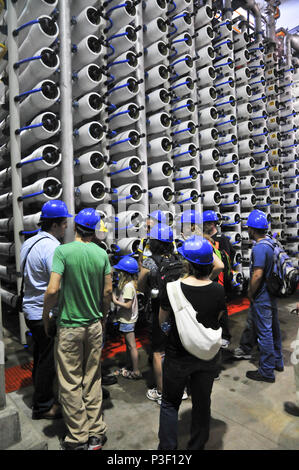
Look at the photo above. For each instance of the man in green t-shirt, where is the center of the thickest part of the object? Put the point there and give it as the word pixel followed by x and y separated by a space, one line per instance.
pixel 81 283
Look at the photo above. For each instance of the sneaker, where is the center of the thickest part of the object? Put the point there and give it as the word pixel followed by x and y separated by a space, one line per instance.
pixel 153 394
pixel 240 354
pixel 225 343
pixel 185 395
pixel 291 408
pixel 68 446
pixel 255 375
pixel 96 443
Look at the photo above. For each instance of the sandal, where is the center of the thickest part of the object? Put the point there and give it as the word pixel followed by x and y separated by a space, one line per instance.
pixel 120 372
pixel 129 374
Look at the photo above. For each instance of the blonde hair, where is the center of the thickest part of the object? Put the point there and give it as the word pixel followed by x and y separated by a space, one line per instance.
pixel 125 277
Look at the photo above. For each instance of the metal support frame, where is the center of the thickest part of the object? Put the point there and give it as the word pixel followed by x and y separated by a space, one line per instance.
pixel 15 149
pixel 66 119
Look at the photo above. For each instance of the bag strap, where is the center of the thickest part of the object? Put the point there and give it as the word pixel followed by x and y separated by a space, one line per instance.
pixel 177 299
pixel 24 264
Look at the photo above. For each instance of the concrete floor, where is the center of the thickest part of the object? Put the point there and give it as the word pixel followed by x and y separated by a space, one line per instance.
pixel 246 415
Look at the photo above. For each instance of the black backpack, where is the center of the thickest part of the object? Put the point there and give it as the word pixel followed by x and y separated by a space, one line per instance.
pixel 169 269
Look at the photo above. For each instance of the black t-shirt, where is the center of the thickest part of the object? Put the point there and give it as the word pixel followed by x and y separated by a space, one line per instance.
pixel 208 301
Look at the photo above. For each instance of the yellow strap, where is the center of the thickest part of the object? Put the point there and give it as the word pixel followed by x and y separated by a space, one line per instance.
pixel 4 49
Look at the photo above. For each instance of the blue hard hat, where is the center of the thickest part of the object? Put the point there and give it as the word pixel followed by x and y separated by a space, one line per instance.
pixel 257 219
pixel 88 218
pixel 197 250
pixel 161 232
pixel 128 264
pixel 191 216
pixel 159 216
pixel 54 209
pixel 209 216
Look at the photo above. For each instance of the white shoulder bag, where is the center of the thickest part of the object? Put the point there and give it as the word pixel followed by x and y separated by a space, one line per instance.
pixel 198 340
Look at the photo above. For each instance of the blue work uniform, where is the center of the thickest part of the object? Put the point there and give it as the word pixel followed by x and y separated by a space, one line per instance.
pixel 265 314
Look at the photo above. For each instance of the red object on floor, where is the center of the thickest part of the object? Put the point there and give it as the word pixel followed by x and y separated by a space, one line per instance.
pixel 21 376
pixel 238 306
pixel 18 377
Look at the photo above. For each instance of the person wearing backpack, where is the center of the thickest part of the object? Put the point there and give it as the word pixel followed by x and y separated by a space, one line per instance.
pixel 263 304
pixel 163 265
pixel 191 307
pixel 36 262
pixel 224 250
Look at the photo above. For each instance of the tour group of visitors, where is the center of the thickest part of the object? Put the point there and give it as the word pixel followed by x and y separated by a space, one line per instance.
pixel 184 286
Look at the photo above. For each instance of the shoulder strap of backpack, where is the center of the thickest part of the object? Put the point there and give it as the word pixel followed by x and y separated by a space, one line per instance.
pixel 24 263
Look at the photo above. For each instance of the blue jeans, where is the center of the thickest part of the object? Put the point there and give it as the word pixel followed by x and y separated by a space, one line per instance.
pixel 175 376
pixel 265 319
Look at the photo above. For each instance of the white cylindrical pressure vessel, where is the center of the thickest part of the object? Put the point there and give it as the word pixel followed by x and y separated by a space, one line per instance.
pixel 125 38
pixel 88 21
pixel 125 170
pixel 42 190
pixel 158 122
pixel 209 157
pixel 182 86
pixel 246 164
pixel 211 198
pixel 155 30
pixel 89 163
pixel 45 126
pixel 185 175
pixel 47 157
pixel 242 75
pixel 121 16
pixel 155 54
pixel 161 195
pixel 39 69
pixel 131 192
pixel 157 99
pixel 245 129
pixel 87 107
pixel 206 96
pixel 124 142
pixel 39 101
pixel 207 116
pixel 205 76
pixel 210 178
pixel 156 76
pixel 208 136
pixel 124 90
pixel 43 33
pixel 154 8
pixel 187 195
pixel 204 57
pixel 123 65
pixel 88 134
pixel 184 154
pixel 88 50
pixel 124 116
pixel 91 192
pixel 204 36
pixel 203 16
pixel 87 79
pixel 245 146
pixel 182 65
pixel 159 173
pixel 184 130
pixel 183 108
pixel 159 146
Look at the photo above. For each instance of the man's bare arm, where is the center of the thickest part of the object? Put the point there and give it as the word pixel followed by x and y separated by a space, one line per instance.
pixel 51 298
